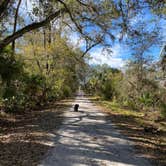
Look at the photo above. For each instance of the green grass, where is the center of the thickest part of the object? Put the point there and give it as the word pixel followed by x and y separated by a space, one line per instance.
pixel 131 123
pixel 117 108
pixel 142 118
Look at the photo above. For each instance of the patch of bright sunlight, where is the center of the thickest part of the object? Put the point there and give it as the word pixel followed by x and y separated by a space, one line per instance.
pixel 106 163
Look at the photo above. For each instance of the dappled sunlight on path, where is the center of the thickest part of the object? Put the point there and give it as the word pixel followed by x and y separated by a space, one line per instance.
pixel 87 138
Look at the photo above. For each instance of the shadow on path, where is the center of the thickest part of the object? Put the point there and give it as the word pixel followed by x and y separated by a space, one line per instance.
pixel 88 138
pixel 26 137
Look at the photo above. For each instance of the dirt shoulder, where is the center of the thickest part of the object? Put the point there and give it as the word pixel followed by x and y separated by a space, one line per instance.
pixel 151 145
pixel 25 138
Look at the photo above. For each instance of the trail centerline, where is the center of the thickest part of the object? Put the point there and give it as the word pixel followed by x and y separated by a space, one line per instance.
pixel 87 138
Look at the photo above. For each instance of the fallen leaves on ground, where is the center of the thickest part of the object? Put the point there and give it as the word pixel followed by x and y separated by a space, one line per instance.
pixel 25 138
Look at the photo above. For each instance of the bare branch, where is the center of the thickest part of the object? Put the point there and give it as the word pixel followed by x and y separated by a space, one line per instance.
pixel 90 47
pixel 71 16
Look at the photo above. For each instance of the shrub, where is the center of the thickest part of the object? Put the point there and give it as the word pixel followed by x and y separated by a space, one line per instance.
pixel 67 91
pixel 34 88
pixel 146 99
pixel 163 110
pixel 10 68
pixel 107 90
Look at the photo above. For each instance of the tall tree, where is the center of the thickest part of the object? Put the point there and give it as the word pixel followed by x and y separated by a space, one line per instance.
pixel 82 15
pixel 15 24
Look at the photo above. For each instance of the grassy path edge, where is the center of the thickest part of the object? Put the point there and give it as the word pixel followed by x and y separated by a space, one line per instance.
pixel 131 124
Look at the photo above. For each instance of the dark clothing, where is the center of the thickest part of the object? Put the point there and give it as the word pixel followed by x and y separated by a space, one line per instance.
pixel 76 107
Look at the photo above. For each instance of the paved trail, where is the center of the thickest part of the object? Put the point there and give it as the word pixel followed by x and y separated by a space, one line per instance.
pixel 87 138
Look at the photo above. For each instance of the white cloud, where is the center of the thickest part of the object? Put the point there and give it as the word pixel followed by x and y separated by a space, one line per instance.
pixel 76 41
pixel 112 59
pixel 97 54
pixel 26 11
pixel 26 6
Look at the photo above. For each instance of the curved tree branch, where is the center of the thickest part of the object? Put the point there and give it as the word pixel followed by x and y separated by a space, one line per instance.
pixel 29 28
pixel 90 47
pixel 71 16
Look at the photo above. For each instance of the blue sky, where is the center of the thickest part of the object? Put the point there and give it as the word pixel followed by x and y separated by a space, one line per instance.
pixel 121 52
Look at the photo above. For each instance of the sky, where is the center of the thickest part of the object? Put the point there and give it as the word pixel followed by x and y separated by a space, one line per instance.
pixel 121 52
pixel 116 59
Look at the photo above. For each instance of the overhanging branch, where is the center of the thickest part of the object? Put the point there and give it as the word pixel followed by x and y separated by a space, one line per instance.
pixel 29 28
pixel 71 16
pixel 89 48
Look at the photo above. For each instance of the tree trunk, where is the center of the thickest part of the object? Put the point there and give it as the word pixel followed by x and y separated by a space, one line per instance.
pixel 15 25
